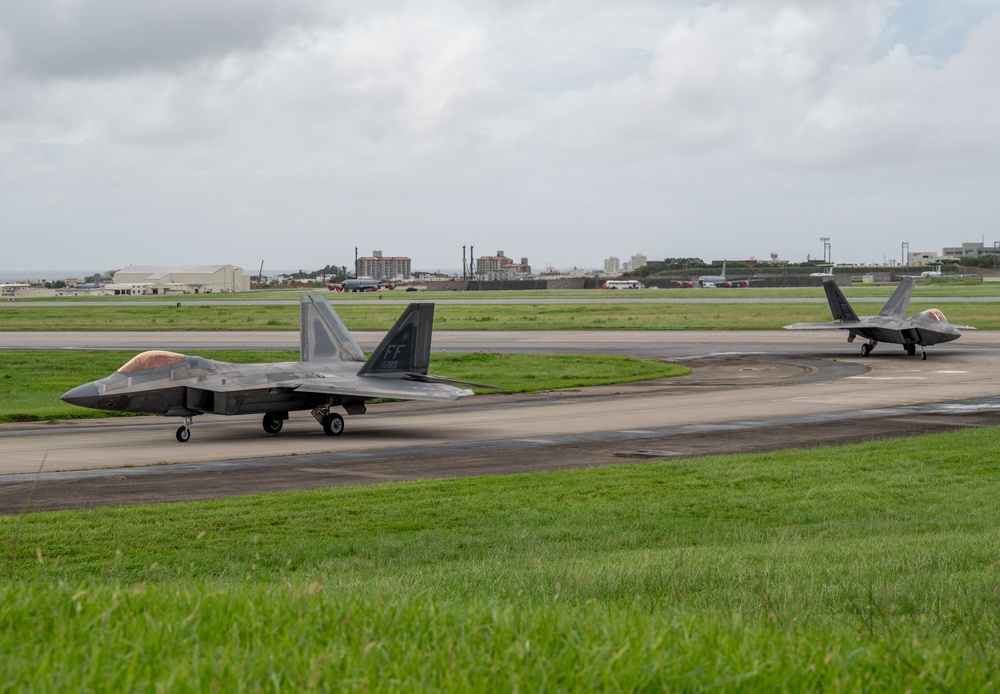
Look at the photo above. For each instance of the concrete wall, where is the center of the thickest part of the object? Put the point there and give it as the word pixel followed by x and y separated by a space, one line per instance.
pixel 498 285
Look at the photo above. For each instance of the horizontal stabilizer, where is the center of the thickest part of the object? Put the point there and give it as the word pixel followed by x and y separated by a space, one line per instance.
pixel 426 378
pixel 818 326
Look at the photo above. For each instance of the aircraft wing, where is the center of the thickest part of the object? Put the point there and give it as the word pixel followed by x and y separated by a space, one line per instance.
pixel 376 387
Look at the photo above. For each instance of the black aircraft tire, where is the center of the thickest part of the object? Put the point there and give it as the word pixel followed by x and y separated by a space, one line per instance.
pixel 273 423
pixel 866 350
pixel 183 434
pixel 333 424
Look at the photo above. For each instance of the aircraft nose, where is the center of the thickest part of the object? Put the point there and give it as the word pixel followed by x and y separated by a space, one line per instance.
pixel 84 395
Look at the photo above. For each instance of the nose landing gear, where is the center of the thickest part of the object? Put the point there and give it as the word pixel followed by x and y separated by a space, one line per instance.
pixel 184 432
pixel 273 421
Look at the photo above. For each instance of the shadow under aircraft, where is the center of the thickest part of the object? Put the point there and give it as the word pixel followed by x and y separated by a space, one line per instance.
pixel 928 327
pixel 333 373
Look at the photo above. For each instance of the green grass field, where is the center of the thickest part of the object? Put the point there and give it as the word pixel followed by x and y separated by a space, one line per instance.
pixel 868 567
pixel 31 381
pixel 375 316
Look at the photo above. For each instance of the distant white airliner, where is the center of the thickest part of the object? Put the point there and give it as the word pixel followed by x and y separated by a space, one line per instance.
pixel 717 281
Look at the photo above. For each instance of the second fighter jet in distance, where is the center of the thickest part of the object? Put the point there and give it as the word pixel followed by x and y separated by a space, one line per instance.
pixel 928 327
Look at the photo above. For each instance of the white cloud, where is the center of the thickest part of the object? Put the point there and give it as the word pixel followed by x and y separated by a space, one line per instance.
pixel 564 131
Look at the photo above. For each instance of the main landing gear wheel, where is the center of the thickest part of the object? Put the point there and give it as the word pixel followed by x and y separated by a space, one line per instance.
pixel 866 349
pixel 333 424
pixel 923 354
pixel 273 422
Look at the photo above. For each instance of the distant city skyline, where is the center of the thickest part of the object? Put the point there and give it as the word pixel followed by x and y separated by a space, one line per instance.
pixel 12 275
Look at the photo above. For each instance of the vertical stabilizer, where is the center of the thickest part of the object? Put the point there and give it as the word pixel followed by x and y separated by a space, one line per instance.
pixel 406 348
pixel 900 299
pixel 322 335
pixel 839 306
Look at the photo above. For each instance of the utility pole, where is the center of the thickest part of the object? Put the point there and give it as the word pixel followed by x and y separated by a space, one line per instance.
pixel 464 277
pixel 355 262
pixel 827 255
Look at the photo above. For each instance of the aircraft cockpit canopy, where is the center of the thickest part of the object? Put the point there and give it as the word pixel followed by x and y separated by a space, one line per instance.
pixel 934 314
pixel 153 359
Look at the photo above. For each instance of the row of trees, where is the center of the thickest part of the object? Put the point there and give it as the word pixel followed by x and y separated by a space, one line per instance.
pixel 991 261
pixel 697 266
pixel 335 273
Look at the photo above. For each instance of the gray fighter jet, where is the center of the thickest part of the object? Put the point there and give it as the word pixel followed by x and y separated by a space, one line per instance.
pixel 891 324
pixel 333 373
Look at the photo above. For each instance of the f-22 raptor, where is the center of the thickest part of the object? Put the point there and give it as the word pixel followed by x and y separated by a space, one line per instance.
pixel 333 372
pixel 928 327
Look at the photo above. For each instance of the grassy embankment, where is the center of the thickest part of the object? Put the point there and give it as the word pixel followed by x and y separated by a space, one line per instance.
pixel 373 316
pixel 868 567
pixel 32 381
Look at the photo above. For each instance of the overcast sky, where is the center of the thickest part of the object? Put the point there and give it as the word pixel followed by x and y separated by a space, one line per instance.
pixel 236 131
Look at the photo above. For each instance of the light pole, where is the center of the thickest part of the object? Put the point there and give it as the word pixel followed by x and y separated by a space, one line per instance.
pixel 827 254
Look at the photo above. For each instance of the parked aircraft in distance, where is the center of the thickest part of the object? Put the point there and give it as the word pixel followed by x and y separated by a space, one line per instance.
pixel 359 286
pixel 333 372
pixel 928 327
pixel 716 281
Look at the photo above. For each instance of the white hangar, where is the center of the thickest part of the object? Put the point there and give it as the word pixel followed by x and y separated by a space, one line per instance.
pixel 183 279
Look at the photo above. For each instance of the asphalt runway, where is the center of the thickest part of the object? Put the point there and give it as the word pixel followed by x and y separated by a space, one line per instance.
pixel 749 391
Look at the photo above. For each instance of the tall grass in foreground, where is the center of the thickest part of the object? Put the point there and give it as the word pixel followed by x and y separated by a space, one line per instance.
pixel 863 567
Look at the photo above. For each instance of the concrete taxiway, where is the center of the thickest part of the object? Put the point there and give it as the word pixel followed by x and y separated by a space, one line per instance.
pixel 652 344
pixel 756 390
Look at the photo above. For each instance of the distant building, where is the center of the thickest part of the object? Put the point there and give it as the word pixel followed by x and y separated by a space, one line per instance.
pixel 19 289
pixel 637 261
pixel 488 265
pixel 500 267
pixel 179 279
pixel 612 266
pixel 383 267
pixel 968 250
pixel 922 258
